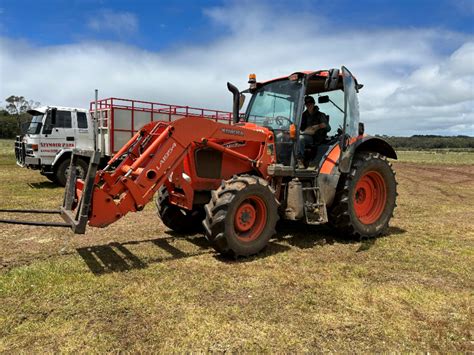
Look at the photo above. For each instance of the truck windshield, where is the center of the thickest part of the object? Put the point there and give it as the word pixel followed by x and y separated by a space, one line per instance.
pixel 274 105
pixel 35 125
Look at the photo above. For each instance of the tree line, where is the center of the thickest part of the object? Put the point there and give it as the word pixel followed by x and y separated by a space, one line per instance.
pixel 14 118
pixel 421 142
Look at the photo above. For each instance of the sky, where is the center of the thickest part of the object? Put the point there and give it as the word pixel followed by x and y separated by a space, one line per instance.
pixel 415 58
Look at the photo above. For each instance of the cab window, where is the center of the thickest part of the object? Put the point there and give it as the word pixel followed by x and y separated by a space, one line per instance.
pixel 333 109
pixel 63 120
pixel 81 120
pixel 274 105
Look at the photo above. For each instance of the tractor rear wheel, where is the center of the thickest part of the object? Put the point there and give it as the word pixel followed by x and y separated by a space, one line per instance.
pixel 366 197
pixel 176 218
pixel 241 216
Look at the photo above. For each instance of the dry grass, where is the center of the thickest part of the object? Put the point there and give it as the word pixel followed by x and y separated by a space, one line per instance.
pixel 136 286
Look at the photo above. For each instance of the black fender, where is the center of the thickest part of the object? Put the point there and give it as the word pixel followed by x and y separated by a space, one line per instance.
pixel 366 144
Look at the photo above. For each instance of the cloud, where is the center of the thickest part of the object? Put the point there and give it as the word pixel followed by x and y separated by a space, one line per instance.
pixel 417 81
pixel 119 23
pixel 438 97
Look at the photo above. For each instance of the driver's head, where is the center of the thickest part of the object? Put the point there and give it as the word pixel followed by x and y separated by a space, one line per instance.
pixel 309 102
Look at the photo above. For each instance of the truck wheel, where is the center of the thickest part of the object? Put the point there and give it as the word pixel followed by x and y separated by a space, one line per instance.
pixel 365 199
pixel 63 168
pixel 241 216
pixel 178 219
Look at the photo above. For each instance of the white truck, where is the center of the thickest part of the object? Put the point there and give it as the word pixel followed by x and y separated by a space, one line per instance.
pixel 55 131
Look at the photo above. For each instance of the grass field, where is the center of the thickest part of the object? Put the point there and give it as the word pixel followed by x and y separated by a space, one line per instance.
pixel 137 286
pixel 438 157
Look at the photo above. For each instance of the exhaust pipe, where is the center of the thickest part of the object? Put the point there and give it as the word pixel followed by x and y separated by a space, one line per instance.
pixel 235 108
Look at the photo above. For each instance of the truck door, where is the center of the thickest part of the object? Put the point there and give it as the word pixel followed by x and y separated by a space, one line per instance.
pixel 84 136
pixel 351 118
pixel 56 137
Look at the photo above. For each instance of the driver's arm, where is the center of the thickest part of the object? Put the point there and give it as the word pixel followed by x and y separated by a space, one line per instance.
pixel 323 124
pixel 317 127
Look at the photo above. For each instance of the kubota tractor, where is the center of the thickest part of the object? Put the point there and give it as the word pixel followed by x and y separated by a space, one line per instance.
pixel 234 181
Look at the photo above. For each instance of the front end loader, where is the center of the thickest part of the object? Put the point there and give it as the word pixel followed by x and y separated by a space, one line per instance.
pixel 233 181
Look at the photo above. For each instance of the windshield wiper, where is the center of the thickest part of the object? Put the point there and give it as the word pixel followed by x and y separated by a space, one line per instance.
pixel 280 97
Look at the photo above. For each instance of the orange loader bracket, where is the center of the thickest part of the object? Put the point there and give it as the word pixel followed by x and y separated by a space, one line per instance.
pixel 150 160
pixel 75 211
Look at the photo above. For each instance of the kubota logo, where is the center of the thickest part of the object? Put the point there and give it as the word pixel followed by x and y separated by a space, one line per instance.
pixel 167 155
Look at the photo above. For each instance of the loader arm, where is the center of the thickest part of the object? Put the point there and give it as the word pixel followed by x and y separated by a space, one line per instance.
pixel 145 163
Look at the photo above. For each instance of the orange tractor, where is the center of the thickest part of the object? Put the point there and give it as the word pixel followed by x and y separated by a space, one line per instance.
pixel 235 180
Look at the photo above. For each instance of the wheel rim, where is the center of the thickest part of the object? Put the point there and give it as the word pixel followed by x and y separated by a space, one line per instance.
pixel 81 173
pixel 370 197
pixel 250 219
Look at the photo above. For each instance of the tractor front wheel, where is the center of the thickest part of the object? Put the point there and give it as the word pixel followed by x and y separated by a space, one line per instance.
pixel 241 216
pixel 178 219
pixel 366 197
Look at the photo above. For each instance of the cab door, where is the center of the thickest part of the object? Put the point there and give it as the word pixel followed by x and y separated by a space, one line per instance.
pixel 351 103
pixel 84 134
pixel 351 119
pixel 57 135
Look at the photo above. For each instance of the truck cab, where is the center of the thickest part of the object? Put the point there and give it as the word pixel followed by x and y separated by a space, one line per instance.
pixel 52 134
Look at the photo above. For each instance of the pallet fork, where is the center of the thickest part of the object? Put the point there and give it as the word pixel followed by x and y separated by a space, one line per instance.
pixel 77 220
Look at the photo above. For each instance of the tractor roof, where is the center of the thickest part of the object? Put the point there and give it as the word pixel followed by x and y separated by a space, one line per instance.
pixel 322 73
pixel 316 85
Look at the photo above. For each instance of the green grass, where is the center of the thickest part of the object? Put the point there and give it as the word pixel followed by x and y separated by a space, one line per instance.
pixel 136 286
pixel 460 157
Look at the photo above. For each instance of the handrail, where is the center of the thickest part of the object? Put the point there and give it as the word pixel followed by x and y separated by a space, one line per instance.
pixel 158 107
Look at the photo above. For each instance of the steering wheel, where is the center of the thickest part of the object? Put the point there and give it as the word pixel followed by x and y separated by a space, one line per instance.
pixel 279 120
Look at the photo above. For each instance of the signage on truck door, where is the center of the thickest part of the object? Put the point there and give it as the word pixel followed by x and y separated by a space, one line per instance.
pixel 58 136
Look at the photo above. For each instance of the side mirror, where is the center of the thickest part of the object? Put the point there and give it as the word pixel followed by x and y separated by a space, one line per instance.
pixel 332 79
pixel 53 117
pixel 361 129
pixel 323 99
pixel 241 101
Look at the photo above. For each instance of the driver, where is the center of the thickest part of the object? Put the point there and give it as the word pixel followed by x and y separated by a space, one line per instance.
pixel 313 129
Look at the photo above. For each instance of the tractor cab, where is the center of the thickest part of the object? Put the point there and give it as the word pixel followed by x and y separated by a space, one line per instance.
pixel 278 105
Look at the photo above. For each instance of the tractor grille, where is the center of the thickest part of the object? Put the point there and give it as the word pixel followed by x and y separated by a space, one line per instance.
pixel 20 151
